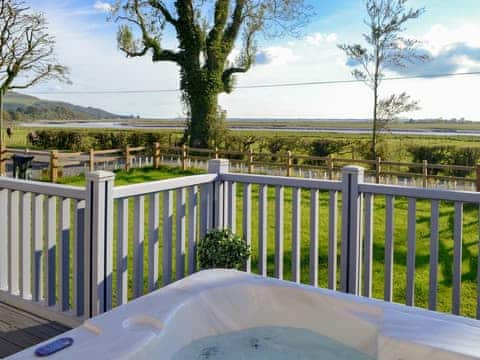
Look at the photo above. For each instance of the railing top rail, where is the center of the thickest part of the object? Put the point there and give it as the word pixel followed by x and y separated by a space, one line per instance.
pixel 308 157
pixel 421 193
pixel 399 163
pixel 26 151
pixel 451 167
pixel 71 192
pixel 75 154
pixel 162 185
pixel 138 148
pixel 105 152
pixel 283 181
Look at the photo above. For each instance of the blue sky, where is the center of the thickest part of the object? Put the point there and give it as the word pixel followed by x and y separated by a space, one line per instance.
pixel 450 31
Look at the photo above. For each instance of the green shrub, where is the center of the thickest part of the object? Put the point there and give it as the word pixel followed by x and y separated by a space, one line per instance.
pixel 325 147
pixel 466 156
pixel 222 249
pixel 439 154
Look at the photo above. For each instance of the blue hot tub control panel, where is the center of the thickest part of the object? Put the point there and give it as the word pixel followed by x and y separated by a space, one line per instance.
pixel 53 347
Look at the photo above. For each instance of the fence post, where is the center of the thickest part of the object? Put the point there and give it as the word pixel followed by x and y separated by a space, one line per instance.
pixel 330 166
pixel 350 262
pixel 218 210
pixel 477 168
pixel 3 160
pixel 184 157
pixel 128 158
pixel 156 155
pixel 98 262
pixel 91 160
pixel 216 152
pixel 289 163
pixel 378 169
pixel 54 166
pixel 425 173
pixel 250 160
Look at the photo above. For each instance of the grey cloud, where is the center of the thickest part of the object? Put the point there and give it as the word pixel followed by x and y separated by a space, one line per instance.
pixel 443 62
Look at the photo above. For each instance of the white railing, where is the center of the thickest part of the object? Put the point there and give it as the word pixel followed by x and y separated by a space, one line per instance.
pixel 197 188
pixel 103 245
pixel 357 231
pixel 41 226
pixel 458 198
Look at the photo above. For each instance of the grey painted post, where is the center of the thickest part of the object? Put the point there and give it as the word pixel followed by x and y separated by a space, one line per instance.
pixel 351 229
pixel 78 259
pixel 99 244
pixel 218 166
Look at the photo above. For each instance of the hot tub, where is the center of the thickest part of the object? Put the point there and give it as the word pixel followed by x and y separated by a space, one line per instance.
pixel 218 313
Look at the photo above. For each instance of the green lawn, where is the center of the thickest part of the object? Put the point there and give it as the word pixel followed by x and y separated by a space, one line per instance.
pixel 470 240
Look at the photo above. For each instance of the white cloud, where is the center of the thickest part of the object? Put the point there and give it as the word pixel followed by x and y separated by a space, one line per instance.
pixel 317 39
pixel 102 6
pixel 439 36
pixel 276 55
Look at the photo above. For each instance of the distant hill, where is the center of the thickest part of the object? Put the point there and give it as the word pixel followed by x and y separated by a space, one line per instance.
pixel 21 107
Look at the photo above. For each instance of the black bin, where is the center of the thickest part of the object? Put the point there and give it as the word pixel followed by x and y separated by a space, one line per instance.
pixel 22 164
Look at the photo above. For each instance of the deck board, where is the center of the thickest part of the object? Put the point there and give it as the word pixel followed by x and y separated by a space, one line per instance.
pixel 20 329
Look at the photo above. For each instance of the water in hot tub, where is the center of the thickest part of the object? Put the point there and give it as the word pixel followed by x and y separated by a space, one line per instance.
pixel 269 343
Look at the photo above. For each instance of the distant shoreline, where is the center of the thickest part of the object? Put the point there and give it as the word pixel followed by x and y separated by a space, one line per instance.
pixel 360 128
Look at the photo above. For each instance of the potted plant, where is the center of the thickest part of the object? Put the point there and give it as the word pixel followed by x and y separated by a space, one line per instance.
pixel 220 248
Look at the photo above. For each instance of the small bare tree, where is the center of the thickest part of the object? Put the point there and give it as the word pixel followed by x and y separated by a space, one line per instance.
pixel 26 51
pixel 385 48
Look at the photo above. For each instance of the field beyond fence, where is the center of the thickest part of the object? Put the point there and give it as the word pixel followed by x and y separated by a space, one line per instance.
pixel 53 164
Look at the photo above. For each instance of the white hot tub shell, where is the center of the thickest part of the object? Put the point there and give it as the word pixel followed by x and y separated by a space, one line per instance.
pixel 215 302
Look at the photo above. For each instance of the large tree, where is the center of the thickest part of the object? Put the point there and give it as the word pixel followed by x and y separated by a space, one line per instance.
pixel 26 51
pixel 207 31
pixel 385 48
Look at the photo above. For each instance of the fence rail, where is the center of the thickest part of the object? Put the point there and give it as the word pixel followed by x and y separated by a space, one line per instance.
pixel 82 251
pixel 287 164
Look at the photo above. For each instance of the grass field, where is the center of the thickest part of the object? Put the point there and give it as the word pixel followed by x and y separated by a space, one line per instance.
pixel 470 241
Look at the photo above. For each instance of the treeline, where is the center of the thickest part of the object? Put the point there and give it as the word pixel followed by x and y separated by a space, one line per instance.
pixel 39 112
pixel 79 140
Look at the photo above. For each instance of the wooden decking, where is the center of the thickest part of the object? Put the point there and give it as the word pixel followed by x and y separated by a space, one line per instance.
pixel 20 329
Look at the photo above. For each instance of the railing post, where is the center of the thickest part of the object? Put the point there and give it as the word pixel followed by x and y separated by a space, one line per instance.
pixel 156 155
pixel 378 169
pixel 289 163
pixel 54 166
pixel 3 160
pixel 128 159
pixel 184 157
pixel 330 166
pixel 350 261
pixel 477 168
pixel 218 208
pixel 98 260
pixel 425 173
pixel 250 160
pixel 91 160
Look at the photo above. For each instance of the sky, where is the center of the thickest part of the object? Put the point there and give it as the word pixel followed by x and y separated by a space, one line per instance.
pixel 86 43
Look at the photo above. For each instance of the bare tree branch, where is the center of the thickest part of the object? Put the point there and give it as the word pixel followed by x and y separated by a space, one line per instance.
pixel 27 54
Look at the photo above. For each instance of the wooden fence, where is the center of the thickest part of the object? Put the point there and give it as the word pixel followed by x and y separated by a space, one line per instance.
pixel 287 163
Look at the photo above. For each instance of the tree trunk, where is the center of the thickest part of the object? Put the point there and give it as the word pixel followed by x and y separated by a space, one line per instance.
pixel 203 117
pixel 375 100
pixel 374 128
